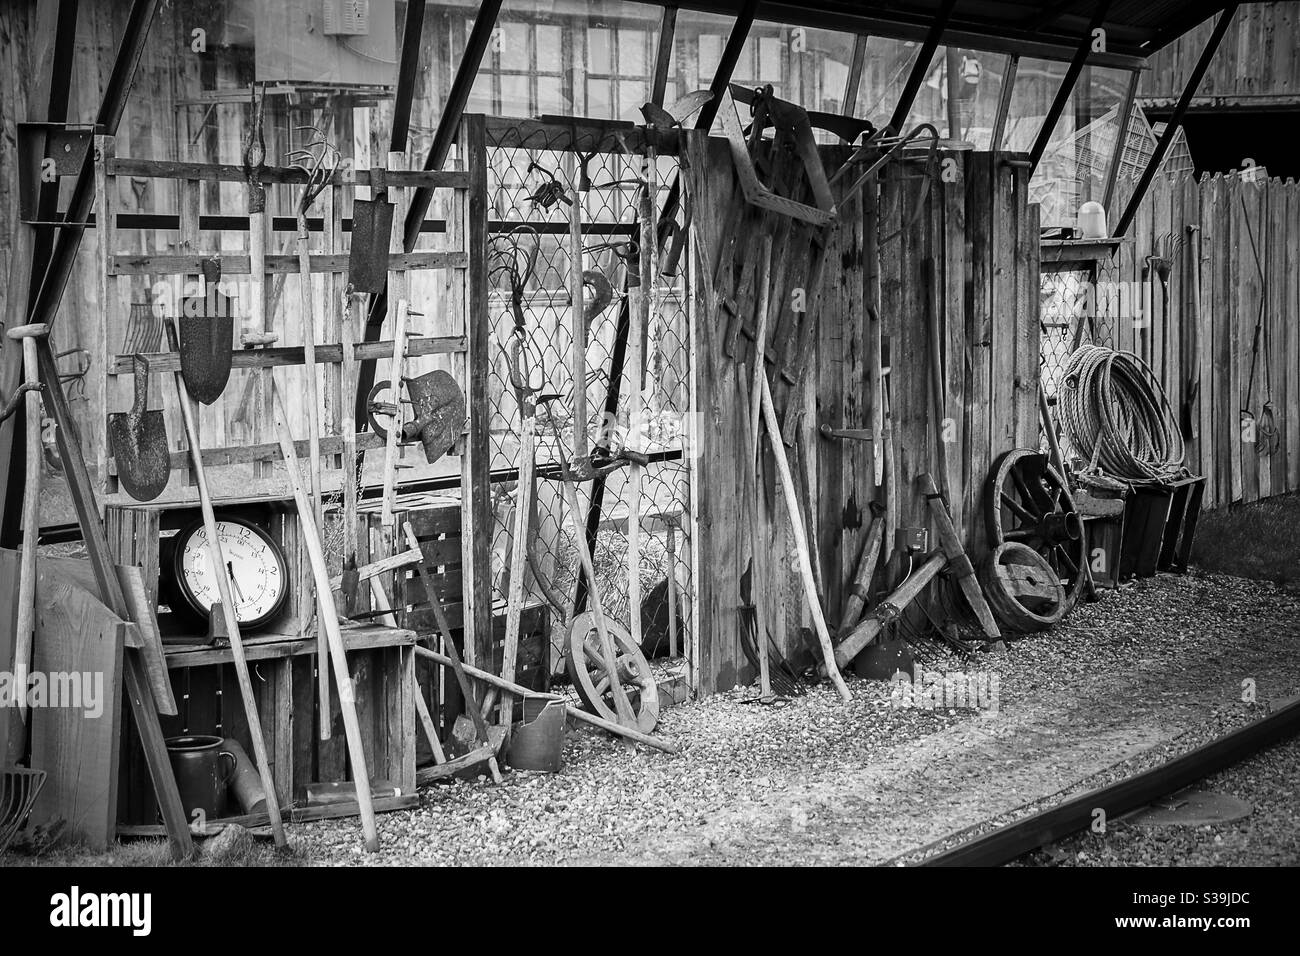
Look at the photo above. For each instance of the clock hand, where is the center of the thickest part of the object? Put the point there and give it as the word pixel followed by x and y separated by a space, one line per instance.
pixel 239 592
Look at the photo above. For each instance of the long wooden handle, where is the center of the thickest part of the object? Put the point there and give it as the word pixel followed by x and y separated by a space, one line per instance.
pixel 801 543
pixel 488 678
pixel 440 616
pixel 222 574
pixel 859 591
pixel 327 620
pixel 31 527
pixel 309 363
pixel 518 557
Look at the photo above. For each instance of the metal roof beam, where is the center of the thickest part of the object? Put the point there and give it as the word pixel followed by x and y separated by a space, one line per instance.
pixel 1068 83
pixel 1171 128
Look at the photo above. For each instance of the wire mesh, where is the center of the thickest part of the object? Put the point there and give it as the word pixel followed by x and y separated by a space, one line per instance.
pixel 530 188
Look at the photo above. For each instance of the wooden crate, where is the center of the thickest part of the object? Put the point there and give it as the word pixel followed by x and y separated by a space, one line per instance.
pixel 381 661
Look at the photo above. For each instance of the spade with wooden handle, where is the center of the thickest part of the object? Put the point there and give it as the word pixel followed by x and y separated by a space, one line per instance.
pixel 139 442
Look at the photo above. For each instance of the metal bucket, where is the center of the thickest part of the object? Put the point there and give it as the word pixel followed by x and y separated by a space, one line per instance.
pixel 196 762
pixel 537 742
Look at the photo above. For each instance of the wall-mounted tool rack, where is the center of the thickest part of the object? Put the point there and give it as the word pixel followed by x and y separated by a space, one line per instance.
pixel 149 262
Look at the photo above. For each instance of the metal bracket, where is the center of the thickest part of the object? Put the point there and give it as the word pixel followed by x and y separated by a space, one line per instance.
pixel 850 434
pixel 64 145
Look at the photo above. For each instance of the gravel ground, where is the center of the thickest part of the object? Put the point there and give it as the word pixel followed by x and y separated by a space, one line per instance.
pixel 1152 670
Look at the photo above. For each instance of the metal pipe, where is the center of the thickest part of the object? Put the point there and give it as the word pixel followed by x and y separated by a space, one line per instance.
pixel 1004 102
pixel 663 55
pixel 1171 128
pixel 1067 86
pixel 857 61
pixel 727 64
pixel 921 67
pixel 1125 121
pixel 412 34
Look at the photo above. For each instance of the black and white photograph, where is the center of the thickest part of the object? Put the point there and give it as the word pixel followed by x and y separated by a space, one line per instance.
pixel 638 433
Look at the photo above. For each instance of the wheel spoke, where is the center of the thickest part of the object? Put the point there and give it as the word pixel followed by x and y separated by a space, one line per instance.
pixel 1019 534
pixel 1069 561
pixel 1021 512
pixel 602 685
pixel 1022 486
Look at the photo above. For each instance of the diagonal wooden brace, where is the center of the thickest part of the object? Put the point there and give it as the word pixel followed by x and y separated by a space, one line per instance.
pixel 950 543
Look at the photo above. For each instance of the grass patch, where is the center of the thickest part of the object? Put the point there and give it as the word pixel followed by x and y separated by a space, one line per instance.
pixel 1260 540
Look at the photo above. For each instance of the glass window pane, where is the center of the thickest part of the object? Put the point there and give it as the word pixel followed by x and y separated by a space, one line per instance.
pixel 884 71
pixel 598 59
pixel 632 52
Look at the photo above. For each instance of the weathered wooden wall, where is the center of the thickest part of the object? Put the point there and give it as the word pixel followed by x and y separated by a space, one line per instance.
pixel 1257 59
pixel 1212 223
pixel 982 234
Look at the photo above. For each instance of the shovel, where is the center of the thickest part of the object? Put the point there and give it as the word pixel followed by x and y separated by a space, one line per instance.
pixel 372 230
pixel 440 413
pixel 139 442
pixel 207 337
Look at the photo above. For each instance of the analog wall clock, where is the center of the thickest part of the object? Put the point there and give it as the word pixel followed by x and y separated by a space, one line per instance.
pixel 257 566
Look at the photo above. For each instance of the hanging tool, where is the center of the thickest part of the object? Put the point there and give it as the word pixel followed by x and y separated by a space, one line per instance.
pixel 139 442
pixel 1267 437
pixel 319 161
pixel 207 337
pixel 327 621
pixel 257 330
pixel 372 231
pixel 226 609
pixel 25 627
pixel 1192 329
pixel 440 616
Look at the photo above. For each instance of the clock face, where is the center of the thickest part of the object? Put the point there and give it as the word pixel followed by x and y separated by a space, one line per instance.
pixel 256 564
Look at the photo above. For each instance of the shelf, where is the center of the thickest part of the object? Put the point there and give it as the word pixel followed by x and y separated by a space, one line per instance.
pixel 1078 250
pixel 275 646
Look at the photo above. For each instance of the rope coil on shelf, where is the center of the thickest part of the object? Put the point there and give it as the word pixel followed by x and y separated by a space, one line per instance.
pixel 1118 418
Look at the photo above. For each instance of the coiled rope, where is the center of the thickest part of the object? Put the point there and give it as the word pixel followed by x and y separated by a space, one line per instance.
pixel 1118 418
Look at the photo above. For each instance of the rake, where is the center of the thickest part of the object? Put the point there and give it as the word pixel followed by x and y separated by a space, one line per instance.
pixel 19 788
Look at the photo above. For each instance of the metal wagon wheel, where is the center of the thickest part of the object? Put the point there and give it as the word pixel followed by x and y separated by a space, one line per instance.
pixel 591 677
pixel 1028 502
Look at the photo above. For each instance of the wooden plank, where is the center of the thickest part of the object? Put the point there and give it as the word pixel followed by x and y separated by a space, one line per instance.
pixel 80 639
pixel 1291 419
pixel 979 342
pixel 1242 318
pixel 952 268
pixel 162 362
pixel 1025 312
pixel 1276 268
pixel 1226 403
pixel 280 175
pixel 151 265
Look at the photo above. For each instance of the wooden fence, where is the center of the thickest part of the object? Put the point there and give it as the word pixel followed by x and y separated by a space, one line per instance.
pixel 1233 249
pixel 977 227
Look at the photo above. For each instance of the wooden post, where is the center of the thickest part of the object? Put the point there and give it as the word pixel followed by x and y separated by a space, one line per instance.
pixel 476 496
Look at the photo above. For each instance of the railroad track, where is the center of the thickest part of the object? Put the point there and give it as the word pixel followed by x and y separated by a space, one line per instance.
pixel 1014 840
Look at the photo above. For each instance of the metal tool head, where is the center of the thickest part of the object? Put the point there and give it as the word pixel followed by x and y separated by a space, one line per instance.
pixel 255 153
pixel 319 159
pixel 207 333
pixel 19 788
pixel 372 230
pixel 440 413
pixel 138 439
